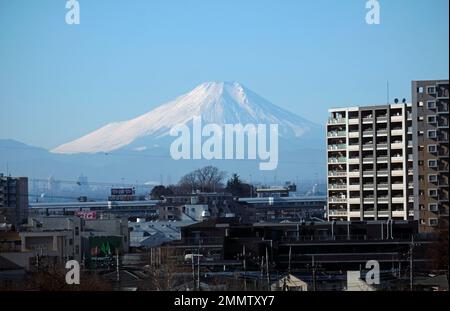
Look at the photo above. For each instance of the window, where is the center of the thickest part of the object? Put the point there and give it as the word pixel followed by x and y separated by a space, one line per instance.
pixel 420 89
pixel 433 207
pixel 77 249
pixel 432 148
pixel 432 178
pixel 431 105
pixel 432 192
pixel 431 119
pixel 431 90
pixel 420 104
pixel 432 134
pixel 433 222
pixel 77 231
pixel 432 163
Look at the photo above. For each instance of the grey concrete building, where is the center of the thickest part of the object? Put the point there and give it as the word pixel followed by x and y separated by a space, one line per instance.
pixel 370 164
pixel 431 153
pixel 13 200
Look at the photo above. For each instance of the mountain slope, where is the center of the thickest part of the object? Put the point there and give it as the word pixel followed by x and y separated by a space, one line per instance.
pixel 216 102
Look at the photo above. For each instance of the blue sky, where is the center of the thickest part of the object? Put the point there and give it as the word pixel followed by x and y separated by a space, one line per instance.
pixel 58 82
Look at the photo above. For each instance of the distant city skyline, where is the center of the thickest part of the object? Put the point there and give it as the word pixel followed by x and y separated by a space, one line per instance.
pixel 59 82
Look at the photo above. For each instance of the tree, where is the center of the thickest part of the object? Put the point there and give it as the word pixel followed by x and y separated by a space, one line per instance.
pixel 237 188
pixel 206 179
pixel 159 191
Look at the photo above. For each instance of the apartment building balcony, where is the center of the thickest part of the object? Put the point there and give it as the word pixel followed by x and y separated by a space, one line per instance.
pixel 398 213
pixel 382 159
pixel 354 160
pixel 369 200
pixel 353 147
pixel 411 199
pixel 368 146
pixel 369 186
pixel 368 119
pixel 442 123
pixel 382 133
pixel 443 167
pixel 410 172
pixel 353 121
pixel 337 134
pixel 353 134
pixel 369 214
pixel 354 201
pixel 383 186
pixel 337 186
pixel 354 214
pixel 410 157
pixel 398 200
pixel 382 146
pixel 397 159
pixel 337 147
pixel 443 183
pixel 382 173
pixel 354 173
pixel 337 160
pixel 337 120
pixel 410 185
pixel 354 187
pixel 397 186
pixel 397 145
pixel 383 214
pixel 338 200
pixel 337 213
pixel 337 173
pixel 383 200
pixel 368 173
pixel 410 130
pixel 397 131
pixel 368 160
pixel 367 133
pixel 382 119
pixel 443 138
pixel 398 118
pixel 397 172
pixel 442 109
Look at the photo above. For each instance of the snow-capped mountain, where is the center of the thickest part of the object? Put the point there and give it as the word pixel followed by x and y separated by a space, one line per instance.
pixel 216 102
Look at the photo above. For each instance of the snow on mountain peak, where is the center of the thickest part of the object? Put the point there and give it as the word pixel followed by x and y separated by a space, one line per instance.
pixel 215 102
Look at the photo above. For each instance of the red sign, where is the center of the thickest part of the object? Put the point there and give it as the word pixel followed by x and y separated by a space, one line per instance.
pixel 86 214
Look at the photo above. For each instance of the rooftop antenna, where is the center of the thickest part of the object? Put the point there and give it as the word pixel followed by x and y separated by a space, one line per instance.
pixel 387 92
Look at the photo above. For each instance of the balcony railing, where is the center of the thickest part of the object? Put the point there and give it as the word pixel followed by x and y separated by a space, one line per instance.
pixel 336 120
pixel 337 146
pixel 337 160
pixel 337 173
pixel 337 134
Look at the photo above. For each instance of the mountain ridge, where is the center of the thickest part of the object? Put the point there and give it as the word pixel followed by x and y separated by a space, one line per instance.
pixel 215 102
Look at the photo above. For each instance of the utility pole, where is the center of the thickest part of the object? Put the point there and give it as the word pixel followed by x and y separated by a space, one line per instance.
pixel 198 268
pixel 245 268
pixel 117 265
pixel 290 254
pixel 267 268
pixel 314 273
pixel 411 261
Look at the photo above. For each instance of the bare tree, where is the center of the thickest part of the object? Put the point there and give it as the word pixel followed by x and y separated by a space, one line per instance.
pixel 206 179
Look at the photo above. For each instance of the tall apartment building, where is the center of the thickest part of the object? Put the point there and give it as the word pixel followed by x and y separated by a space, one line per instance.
pixel 431 153
pixel 13 200
pixel 370 163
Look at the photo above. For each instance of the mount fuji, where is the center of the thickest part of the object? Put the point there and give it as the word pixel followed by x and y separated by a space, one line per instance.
pixel 139 149
pixel 215 102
